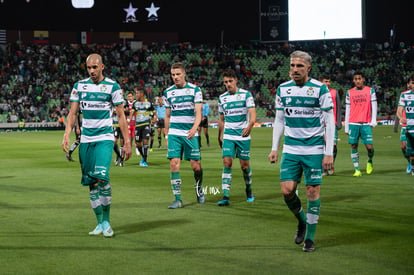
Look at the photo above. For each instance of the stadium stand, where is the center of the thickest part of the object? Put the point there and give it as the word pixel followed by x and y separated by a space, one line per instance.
pixel 36 79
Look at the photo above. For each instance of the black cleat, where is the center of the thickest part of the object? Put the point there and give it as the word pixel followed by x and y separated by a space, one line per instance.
pixel 300 233
pixel 69 157
pixel 308 246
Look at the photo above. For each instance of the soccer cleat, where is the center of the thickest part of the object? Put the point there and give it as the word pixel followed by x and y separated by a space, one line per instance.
pixel 249 195
pixel 308 246
pixel 151 150
pixel 357 173
pixel 300 233
pixel 331 172
pixel 121 163
pixel 199 192
pixel 408 170
pixel 116 161
pixel 107 230
pixel 143 163
pixel 370 168
pixel 98 230
pixel 325 173
pixel 176 204
pixel 159 145
pixel 69 157
pixel 223 202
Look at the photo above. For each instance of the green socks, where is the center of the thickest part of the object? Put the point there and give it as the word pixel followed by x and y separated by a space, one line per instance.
pixel 226 181
pixel 176 184
pixel 312 218
pixel 355 158
pixel 295 205
pixel 96 203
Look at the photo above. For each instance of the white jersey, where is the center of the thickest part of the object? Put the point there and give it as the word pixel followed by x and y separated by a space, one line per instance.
pixel 96 102
pixel 304 124
pixel 182 102
pixel 235 107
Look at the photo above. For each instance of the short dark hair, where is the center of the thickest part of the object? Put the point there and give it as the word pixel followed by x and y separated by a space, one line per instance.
pixel 324 76
pixel 229 73
pixel 139 88
pixel 411 78
pixel 358 73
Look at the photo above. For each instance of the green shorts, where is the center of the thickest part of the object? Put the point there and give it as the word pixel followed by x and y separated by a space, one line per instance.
pixel 292 166
pixel 403 137
pixel 179 146
pixel 95 159
pixel 410 144
pixel 238 148
pixel 357 131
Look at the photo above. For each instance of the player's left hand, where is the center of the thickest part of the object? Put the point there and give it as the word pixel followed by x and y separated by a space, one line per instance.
pixel 327 162
pixel 246 132
pixel 191 133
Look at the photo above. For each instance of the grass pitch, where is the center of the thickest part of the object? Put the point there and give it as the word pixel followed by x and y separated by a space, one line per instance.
pixel 365 225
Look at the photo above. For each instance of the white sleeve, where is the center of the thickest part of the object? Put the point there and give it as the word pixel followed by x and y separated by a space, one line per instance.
pixel 347 111
pixel 373 113
pixel 278 127
pixel 329 132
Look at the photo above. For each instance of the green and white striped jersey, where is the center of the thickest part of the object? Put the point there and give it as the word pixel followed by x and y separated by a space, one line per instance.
pixel 96 102
pixel 407 101
pixel 235 107
pixel 304 124
pixel 182 102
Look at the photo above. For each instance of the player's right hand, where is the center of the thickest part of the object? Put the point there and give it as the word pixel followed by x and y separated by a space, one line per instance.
pixel 273 156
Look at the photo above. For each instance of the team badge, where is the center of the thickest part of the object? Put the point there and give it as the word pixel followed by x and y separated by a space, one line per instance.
pixel 103 88
pixel 310 91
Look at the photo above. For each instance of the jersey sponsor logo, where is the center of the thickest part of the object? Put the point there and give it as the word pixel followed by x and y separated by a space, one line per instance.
pixel 181 106
pixel 309 102
pixel 409 110
pixel 289 91
pixel 290 112
pixel 234 112
pixel 288 100
pixel 359 99
pixel 86 105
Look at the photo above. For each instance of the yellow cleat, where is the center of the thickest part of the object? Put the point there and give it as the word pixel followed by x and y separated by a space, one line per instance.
pixel 357 173
pixel 370 168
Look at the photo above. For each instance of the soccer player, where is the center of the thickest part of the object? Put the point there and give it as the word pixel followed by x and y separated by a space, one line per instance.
pixel 160 109
pixel 405 113
pixel 143 110
pixel 96 97
pixel 131 122
pixel 204 124
pixel 325 79
pixel 183 103
pixel 75 144
pixel 360 117
pixel 118 136
pixel 237 117
pixel 304 112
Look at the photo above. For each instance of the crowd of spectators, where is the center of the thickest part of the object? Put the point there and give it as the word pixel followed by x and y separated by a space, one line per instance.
pixel 36 79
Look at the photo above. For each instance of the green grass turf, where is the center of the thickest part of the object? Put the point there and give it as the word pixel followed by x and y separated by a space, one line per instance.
pixel 365 225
